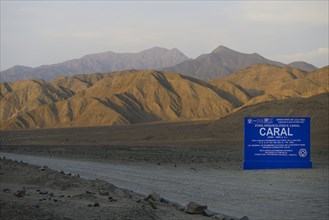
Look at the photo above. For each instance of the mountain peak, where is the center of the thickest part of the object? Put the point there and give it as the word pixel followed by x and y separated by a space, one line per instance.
pixel 303 66
pixel 220 62
pixel 223 49
pixel 156 49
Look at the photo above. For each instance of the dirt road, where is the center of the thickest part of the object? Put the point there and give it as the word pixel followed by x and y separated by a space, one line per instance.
pixel 258 194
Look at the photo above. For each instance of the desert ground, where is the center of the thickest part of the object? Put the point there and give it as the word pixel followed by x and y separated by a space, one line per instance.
pixel 48 194
pixel 191 161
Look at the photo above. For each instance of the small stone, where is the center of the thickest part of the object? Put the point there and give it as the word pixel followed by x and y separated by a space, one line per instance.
pixel 90 205
pixel 195 208
pixel 55 200
pixel 153 197
pixel 20 193
pixel 111 199
pixel 244 218
pixel 42 169
pixel 51 194
pixel 91 193
pixel 96 204
pixel 6 190
pixel 43 192
pixel 103 193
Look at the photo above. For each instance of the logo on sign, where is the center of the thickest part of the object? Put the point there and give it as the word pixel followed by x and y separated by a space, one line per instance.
pixel 302 152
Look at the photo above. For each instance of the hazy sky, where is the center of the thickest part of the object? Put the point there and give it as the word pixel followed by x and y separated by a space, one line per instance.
pixel 46 32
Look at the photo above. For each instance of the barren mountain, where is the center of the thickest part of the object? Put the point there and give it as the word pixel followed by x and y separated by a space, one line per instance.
pixel 220 62
pixel 133 96
pixel 127 97
pixel 266 82
pixel 154 58
pixel 25 95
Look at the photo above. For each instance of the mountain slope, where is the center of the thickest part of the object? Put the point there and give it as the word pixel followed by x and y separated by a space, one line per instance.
pixel 129 97
pixel 267 83
pixel 144 96
pixel 154 58
pixel 220 62
pixel 27 95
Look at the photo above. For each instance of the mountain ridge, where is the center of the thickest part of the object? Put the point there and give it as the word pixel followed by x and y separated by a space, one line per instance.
pixel 153 58
pixel 219 62
pixel 143 96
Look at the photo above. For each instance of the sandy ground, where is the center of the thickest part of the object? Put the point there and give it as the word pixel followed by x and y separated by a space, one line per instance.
pixel 30 192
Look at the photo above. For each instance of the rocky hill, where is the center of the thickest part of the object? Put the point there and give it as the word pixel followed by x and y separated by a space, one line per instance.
pixel 115 98
pixel 267 83
pixel 145 96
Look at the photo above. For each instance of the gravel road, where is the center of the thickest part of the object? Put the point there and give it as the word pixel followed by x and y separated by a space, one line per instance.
pixel 258 194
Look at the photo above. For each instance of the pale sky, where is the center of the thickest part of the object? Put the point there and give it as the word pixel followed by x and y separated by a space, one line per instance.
pixel 34 33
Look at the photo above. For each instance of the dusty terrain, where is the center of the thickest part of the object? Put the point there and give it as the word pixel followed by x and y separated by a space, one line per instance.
pixel 217 144
pixel 32 192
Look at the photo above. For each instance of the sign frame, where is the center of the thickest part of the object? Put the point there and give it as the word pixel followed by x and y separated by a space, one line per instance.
pixel 277 142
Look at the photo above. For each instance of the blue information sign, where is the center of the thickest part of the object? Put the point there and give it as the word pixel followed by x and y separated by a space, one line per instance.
pixel 276 143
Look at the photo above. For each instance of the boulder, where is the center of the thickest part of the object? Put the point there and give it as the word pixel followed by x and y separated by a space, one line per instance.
pixel 195 208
